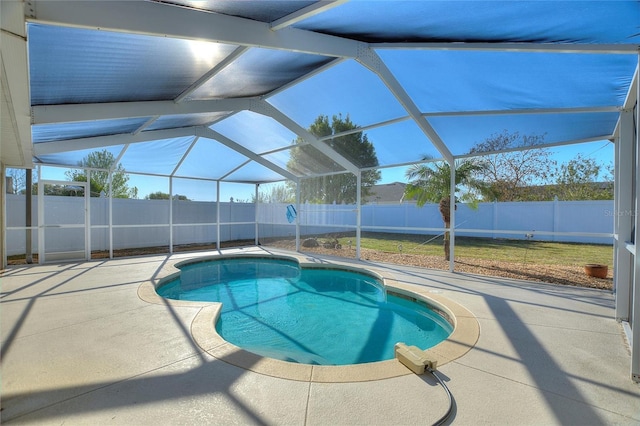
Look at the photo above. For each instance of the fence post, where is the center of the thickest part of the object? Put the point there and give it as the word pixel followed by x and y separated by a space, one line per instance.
pixel 331 217
pixel 495 218
pixel 373 213
pixel 556 217
pixel 406 213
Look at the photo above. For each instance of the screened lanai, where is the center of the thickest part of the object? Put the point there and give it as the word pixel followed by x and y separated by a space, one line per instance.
pixel 220 95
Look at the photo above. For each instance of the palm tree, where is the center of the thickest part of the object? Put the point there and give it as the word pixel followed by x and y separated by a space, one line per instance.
pixel 431 182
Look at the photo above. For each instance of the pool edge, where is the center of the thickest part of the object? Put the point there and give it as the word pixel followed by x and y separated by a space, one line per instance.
pixel 464 336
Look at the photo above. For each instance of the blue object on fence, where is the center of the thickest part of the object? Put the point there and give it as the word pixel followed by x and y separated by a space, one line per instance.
pixel 291 213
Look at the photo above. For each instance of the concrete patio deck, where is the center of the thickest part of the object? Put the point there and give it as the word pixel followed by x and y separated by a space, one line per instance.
pixel 79 346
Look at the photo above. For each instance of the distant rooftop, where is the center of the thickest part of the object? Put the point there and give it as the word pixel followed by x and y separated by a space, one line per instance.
pixel 386 193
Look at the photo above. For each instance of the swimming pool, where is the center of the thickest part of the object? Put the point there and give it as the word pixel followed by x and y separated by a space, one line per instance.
pixel 309 315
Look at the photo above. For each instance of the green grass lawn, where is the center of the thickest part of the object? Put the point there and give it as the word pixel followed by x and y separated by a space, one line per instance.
pixel 516 251
pixel 540 252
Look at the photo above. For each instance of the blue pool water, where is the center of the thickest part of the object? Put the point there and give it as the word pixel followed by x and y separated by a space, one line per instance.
pixel 313 316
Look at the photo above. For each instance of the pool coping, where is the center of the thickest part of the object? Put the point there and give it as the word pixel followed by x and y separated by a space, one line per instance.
pixel 464 336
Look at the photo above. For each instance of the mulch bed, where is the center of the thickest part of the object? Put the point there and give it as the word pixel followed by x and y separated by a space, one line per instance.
pixel 553 274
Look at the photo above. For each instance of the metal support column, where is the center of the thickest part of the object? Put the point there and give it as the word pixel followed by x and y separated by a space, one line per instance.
pixel 110 214
pixel 634 294
pixel 452 214
pixel 218 215
pixel 298 216
pixel 40 217
pixel 358 212
pixel 624 219
pixel 29 210
pixel 170 214
pixel 87 215
pixel 3 218
pixel 257 204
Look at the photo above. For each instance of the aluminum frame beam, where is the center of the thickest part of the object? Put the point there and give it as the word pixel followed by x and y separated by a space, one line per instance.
pixel 15 140
pixel 206 132
pixel 525 111
pixel 634 294
pixel 66 113
pixel 623 219
pixel 370 59
pixel 631 98
pixel 515 47
pixel 541 146
pixel 126 139
pixel 265 108
pixel 165 20
pixel 69 113
pixel 239 51
pixel 304 13
pixel 55 147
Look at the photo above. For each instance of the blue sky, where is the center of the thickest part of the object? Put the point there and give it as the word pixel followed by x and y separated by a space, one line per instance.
pixel 601 151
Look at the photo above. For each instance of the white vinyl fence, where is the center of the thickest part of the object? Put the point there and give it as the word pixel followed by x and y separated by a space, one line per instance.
pixel 150 223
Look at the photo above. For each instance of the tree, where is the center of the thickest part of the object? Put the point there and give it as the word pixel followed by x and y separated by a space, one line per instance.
pixel 159 195
pixel 509 175
pixel 431 182
pixel 104 161
pixel 355 147
pixel 17 180
pixel 584 179
pixel 63 190
pixel 277 194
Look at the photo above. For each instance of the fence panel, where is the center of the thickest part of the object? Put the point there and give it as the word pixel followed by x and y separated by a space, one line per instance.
pixel 195 222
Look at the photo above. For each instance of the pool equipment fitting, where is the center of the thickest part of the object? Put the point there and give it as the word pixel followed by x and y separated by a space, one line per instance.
pixel 413 358
pixel 528 236
pixel 417 361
